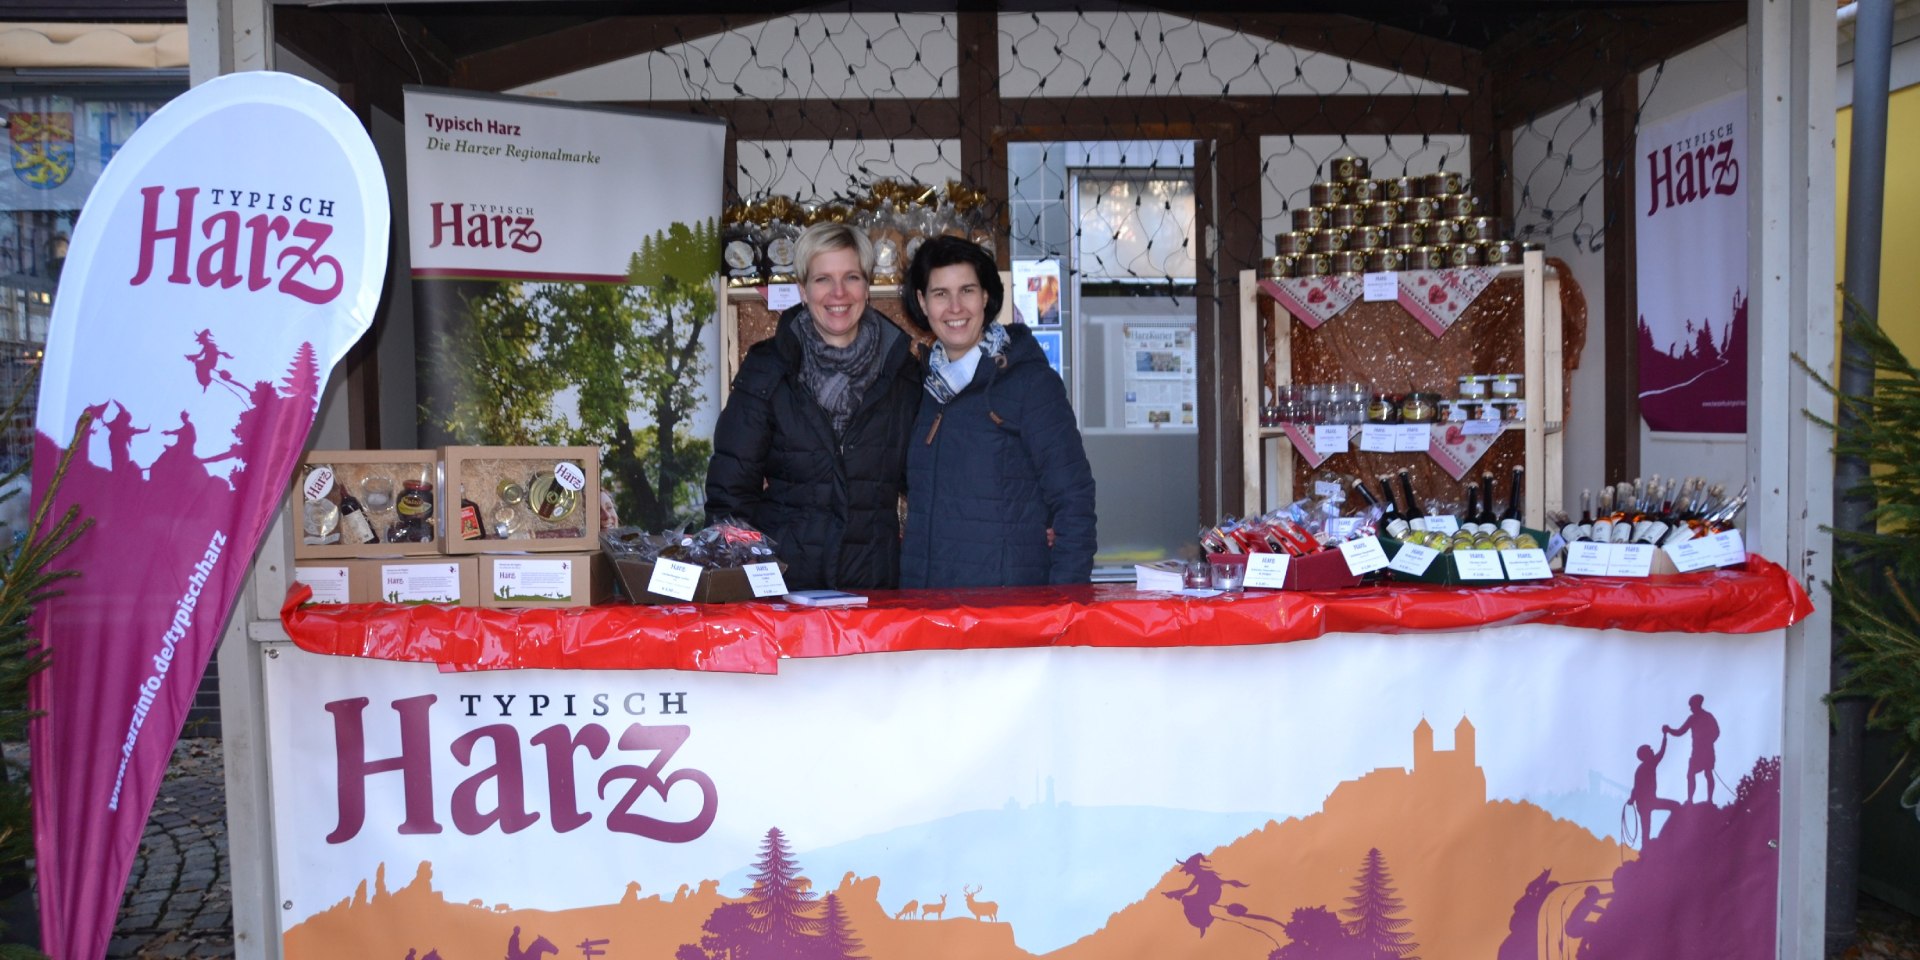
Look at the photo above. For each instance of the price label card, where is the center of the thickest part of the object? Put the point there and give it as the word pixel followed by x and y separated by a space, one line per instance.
pixel 1267 571
pixel 1631 560
pixel 780 296
pixel 1526 563
pixel 1691 555
pixel 1445 523
pixel 570 476
pixel 1411 437
pixel 1378 438
pixel 1413 559
pixel 1478 565
pixel 533 579
pixel 671 578
pixel 319 482
pixel 1342 527
pixel 1327 489
pixel 1329 438
pixel 1480 428
pixel 420 582
pixel 766 580
pixel 1363 555
pixel 1375 287
pixel 1588 558
pixel 1731 550
pixel 329 583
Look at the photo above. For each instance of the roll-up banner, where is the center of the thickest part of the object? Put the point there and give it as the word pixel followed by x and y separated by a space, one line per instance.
pixel 563 261
pixel 230 254
pixel 1526 791
pixel 1691 243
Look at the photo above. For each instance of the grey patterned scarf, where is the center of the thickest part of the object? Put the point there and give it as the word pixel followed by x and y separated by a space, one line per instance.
pixel 993 343
pixel 839 376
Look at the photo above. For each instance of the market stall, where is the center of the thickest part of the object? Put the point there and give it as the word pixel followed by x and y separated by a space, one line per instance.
pixel 1031 772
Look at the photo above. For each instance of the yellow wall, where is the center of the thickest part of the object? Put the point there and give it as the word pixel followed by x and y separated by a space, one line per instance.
pixel 1900 233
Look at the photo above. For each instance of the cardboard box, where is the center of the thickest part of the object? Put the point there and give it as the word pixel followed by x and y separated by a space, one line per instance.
pixel 1326 570
pixel 510 580
pixel 716 586
pixel 1443 571
pixel 452 580
pixel 528 487
pixel 367 475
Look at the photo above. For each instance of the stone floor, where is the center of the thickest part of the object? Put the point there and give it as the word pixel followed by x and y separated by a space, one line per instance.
pixel 180 892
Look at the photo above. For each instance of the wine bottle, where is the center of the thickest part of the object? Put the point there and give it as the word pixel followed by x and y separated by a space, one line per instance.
pixel 470 528
pixel 1601 530
pixel 1586 516
pixel 1392 521
pixel 1510 521
pixel 1416 516
pixel 1622 516
pixel 1486 522
pixel 1659 519
pixel 353 520
pixel 1473 508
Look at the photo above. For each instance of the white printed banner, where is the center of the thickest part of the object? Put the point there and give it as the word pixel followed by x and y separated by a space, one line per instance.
pixel 1488 791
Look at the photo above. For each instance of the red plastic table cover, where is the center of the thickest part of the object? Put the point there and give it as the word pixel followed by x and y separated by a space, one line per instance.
pixel 752 637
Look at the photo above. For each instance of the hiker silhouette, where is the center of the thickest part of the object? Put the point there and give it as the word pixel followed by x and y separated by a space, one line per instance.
pixel 1645 798
pixel 1705 730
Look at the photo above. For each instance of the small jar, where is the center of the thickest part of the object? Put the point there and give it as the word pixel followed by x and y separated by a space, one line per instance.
pixel 1349 263
pixel 1502 251
pixel 1426 258
pixel 1459 206
pixel 1313 265
pixel 1385 260
pixel 1505 411
pixel 1346 169
pixel 1278 268
pixel 1342 216
pixel 1293 242
pixel 1329 240
pixel 1464 410
pixel 1420 209
pixel 1384 408
pixel 1382 213
pixel 1506 386
pixel 1367 238
pixel 1471 386
pixel 1442 233
pixel 1463 255
pixel 1485 229
pixel 1327 193
pixel 1399 188
pixel 1309 218
pixel 1419 407
pixel 1407 234
pixel 1444 183
pixel 1363 191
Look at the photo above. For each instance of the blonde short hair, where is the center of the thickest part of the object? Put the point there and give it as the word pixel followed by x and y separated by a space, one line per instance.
pixel 822 237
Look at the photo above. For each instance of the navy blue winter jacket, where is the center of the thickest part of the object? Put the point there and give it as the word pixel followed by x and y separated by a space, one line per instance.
pixel 831 507
pixel 989 473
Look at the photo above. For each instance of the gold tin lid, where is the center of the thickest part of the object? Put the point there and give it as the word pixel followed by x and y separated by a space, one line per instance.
pixel 1463 255
pixel 1293 242
pixel 549 500
pixel 1385 260
pixel 1329 240
pixel 1278 268
pixel 1313 265
pixel 1443 183
pixel 1309 218
pixel 1350 262
pixel 1363 191
pixel 1348 168
pixel 1367 238
pixel 1383 213
pixel 1399 189
pixel 1327 193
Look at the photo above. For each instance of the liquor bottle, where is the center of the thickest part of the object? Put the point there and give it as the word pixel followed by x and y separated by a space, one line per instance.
pixel 1586 515
pixel 1659 519
pixel 1473 508
pixel 1622 516
pixel 1641 516
pixel 1416 517
pixel 470 528
pixel 1392 521
pixel 1510 521
pixel 1601 530
pixel 353 520
pixel 1486 522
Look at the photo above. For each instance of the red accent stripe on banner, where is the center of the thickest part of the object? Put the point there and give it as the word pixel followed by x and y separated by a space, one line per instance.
pixel 752 637
pixel 462 273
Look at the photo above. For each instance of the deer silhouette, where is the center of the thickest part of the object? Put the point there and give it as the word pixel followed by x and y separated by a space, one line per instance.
pixel 982 909
pixel 912 907
pixel 938 911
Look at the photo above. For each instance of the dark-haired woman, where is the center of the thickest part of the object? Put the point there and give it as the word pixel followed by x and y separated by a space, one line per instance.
pixel 811 448
pixel 999 492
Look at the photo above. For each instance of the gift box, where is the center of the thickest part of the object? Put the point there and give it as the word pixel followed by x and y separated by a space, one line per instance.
pixel 1325 570
pixel 722 585
pixel 381 484
pixel 520 499
pixel 447 580
pixel 1444 571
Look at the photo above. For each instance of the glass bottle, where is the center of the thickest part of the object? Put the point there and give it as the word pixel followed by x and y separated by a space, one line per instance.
pixel 470 526
pixel 353 520
pixel 1510 521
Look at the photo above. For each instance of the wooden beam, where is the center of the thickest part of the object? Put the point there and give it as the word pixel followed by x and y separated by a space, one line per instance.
pixel 590 45
pixel 1619 119
pixel 1209 302
pixel 1359 40
pixel 870 119
pixel 1572 56
pixel 1135 118
pixel 983 153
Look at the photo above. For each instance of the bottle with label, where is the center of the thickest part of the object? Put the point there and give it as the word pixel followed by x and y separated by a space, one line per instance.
pixel 1601 529
pixel 353 520
pixel 1392 522
pixel 1473 509
pixel 1416 516
pixel 1486 522
pixel 470 527
pixel 1510 521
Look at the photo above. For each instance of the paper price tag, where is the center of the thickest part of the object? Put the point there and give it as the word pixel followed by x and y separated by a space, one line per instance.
pixel 1631 560
pixel 766 580
pixel 780 296
pixel 1363 555
pixel 1342 527
pixel 1691 555
pixel 319 483
pixel 671 578
pixel 1413 559
pixel 1478 565
pixel 1378 438
pixel 533 580
pixel 570 476
pixel 1327 489
pixel 1526 563
pixel 1443 523
pixel 1730 548
pixel 1411 437
pixel 1329 438
pixel 1588 558
pixel 1480 428
pixel 329 583
pixel 420 583
pixel 1375 287
pixel 1267 571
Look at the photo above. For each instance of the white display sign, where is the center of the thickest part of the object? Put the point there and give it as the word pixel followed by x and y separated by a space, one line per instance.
pixel 420 582
pixel 1691 555
pixel 1412 437
pixel 1267 571
pixel 782 297
pixel 532 579
pixel 1330 438
pixel 1377 287
pixel 1631 560
pixel 329 583
pixel 1589 558
pixel 671 578
pixel 766 579
pixel 1413 559
pixel 1526 563
pixel 1729 548
pixel 1478 565
pixel 1364 555
pixel 1379 438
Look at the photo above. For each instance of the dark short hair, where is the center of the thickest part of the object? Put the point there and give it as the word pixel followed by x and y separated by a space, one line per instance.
pixel 948 251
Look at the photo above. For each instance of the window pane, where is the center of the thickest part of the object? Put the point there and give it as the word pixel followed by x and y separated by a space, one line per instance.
pixel 1135 227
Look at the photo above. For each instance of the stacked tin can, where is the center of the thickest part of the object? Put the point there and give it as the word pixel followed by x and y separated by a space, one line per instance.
pixel 1357 224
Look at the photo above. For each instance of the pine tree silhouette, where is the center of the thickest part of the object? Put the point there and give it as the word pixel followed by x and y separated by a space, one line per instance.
pixel 1371 914
pixel 780 924
pixel 303 377
pixel 837 941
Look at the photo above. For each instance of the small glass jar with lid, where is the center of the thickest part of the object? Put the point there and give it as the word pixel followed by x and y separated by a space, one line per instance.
pixel 1419 406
